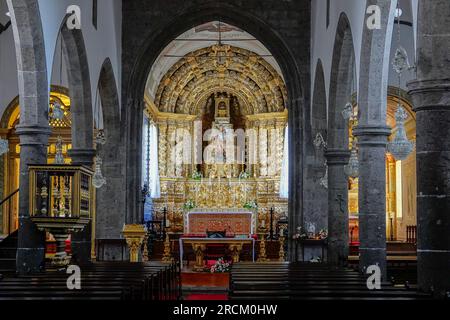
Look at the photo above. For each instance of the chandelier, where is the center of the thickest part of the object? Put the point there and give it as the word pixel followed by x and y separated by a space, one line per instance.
pixel 59 158
pixel 98 180
pixel 352 168
pixel 347 112
pixel 324 180
pixel 319 141
pixel 100 138
pixel 400 147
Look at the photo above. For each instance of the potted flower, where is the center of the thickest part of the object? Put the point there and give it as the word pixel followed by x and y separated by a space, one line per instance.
pixel 244 175
pixel 323 234
pixel 197 175
pixel 300 234
pixel 220 266
pixel 251 205
pixel 189 205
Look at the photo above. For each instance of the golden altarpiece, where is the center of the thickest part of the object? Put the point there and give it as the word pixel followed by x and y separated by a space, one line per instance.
pixel 226 105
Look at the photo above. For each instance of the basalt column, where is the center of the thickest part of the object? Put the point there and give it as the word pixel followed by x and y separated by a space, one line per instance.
pixel 431 97
pixel 337 207
pixel 31 242
pixel 372 142
pixel 81 240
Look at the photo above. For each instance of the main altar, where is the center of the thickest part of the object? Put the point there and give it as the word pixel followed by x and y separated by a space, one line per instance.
pixel 225 180
pixel 219 162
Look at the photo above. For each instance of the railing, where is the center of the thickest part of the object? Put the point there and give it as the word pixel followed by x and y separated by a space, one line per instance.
pixel 411 234
pixel 7 206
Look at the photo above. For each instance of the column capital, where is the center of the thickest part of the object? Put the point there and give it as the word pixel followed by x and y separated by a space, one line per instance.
pixel 337 156
pixel 372 135
pixel 427 94
pixel 82 156
pixel 33 134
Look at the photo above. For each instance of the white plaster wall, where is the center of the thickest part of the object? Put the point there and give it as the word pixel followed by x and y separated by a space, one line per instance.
pixel 8 63
pixel 101 43
pixel 322 42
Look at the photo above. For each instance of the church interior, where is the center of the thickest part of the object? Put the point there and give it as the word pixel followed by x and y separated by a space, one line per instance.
pixel 225 150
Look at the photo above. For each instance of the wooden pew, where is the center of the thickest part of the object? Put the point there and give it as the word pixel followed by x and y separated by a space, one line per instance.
pixel 275 281
pixel 99 281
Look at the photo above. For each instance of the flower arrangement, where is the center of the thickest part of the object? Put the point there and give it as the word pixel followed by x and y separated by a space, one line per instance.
pixel 251 205
pixel 189 205
pixel 244 175
pixel 300 234
pixel 197 175
pixel 323 234
pixel 220 266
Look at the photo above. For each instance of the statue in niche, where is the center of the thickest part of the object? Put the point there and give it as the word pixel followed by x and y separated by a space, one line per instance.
pixel 222 110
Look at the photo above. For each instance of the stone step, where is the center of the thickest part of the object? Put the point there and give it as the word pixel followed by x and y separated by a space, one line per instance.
pixel 7 264
pixel 8 252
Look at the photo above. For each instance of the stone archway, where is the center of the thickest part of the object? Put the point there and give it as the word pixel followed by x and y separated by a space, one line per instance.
pixel 74 52
pixel 293 60
pixel 34 129
pixel 315 195
pixel 337 154
pixel 109 217
pixel 372 133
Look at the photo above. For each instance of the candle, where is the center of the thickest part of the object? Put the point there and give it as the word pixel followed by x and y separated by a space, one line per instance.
pixel 263 223
pixel 167 223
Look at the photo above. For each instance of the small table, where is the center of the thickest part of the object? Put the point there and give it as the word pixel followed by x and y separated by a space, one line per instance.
pixel 313 242
pixel 199 245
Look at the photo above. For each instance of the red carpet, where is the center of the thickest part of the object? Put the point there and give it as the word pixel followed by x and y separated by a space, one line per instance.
pixel 207 296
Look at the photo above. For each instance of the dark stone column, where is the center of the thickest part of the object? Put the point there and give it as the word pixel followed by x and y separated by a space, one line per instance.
pixel 82 157
pixel 295 203
pixel 431 97
pixel 31 242
pixel 337 206
pixel 372 142
pixel 81 240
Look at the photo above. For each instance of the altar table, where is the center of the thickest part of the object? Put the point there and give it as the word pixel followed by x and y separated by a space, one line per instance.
pixel 199 245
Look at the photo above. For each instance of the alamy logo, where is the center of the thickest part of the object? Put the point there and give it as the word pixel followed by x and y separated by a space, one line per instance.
pixel 373 22
pixel 74 280
pixel 374 280
pixel 74 18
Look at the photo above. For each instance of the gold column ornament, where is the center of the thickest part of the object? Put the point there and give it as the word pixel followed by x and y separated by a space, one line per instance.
pixel 145 251
pixel 262 247
pixel 235 249
pixel 281 255
pixel 167 257
pixel 162 149
pixel 134 235
pixel 263 150
pixel 170 150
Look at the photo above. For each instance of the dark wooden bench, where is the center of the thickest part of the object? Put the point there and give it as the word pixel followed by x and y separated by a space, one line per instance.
pixel 99 281
pixel 275 281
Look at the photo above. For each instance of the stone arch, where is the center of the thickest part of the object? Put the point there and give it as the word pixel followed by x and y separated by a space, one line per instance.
pixel 185 19
pixel 319 103
pixel 372 133
pixel 34 129
pixel 315 196
pixel 341 84
pixel 337 153
pixel 74 52
pixel 109 219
